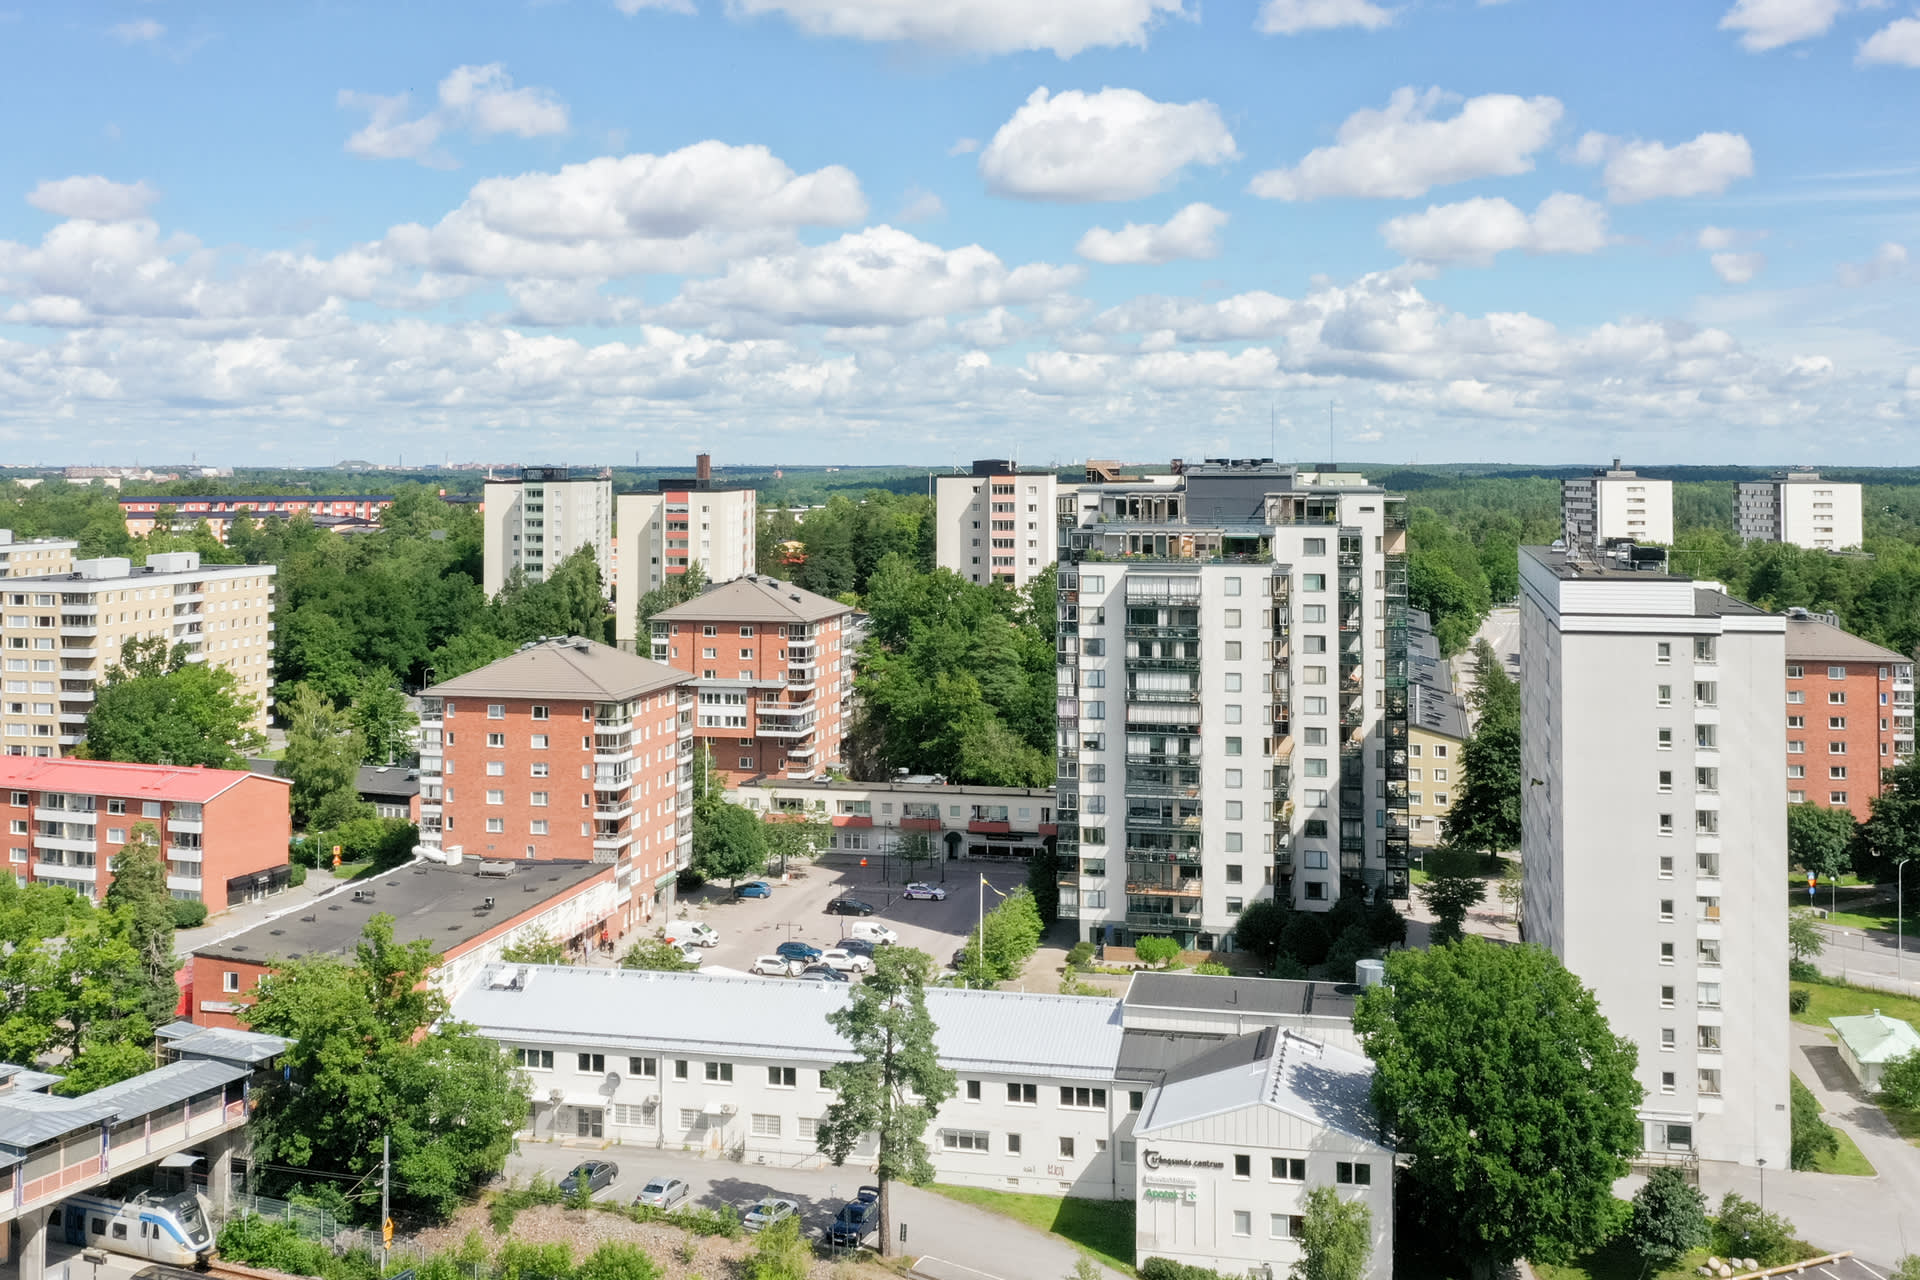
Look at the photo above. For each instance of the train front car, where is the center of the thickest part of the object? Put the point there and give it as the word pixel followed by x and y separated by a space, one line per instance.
pixel 159 1226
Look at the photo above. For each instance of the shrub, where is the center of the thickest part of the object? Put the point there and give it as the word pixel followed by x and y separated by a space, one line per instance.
pixel 1168 1269
pixel 1745 1230
pixel 617 1260
pixel 187 915
pixel 780 1253
pixel 1812 1136
pixel 506 1204
pixel 1798 999
pixel 1351 947
pixel 1669 1220
pixel 689 881
pixel 1081 954
pixel 1156 951
pixel 524 1260
pixel 1212 970
pixel 1306 938
pixel 1802 971
pixel 296 875
pixel 1900 1081
pixel 1288 967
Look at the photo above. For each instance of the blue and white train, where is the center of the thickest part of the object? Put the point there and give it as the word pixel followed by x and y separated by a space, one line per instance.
pixel 164 1226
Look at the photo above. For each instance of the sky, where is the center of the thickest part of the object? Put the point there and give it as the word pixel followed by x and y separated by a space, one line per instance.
pixel 921 231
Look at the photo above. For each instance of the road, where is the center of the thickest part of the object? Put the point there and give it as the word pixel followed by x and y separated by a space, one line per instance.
pixel 1869 957
pixel 1501 629
pixel 934 1225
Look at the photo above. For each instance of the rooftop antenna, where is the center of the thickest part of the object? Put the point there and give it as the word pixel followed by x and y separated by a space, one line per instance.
pixel 1332 447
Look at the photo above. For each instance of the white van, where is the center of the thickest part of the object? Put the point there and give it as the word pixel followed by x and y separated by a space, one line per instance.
pixel 695 932
pixel 873 931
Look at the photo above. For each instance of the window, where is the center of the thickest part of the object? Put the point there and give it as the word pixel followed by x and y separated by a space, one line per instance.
pixel 1666 997
pixel 1666 824
pixel 1837 698
pixel 539 769
pixel 1710 1081
pixel 1666 780
pixel 1708 995
pixel 1287 1169
pixel 1795 697
pixel 1024 1095
pixel 765 1126
pixel 1667 1040
pixel 1313 582
pixel 1242 1218
pixel 1286 1226
pixel 1666 908
pixel 496 797
pixel 534 1059
pixel 1013 1144
pixel 1703 648
pixel 540 713
pixel 1663 695
pixel 496 768
pixel 1664 739
pixel 1666 953
pixel 1663 653
pixel 1358 1174
pixel 1836 773
pixel 1836 673
pixel 1242 1166
pixel 964 1140
pixel 229 981
pixel 1836 748
pixel 538 799
pixel 781 1077
pixel 1666 1082
pixel 1066 1148
pixel 1836 722
pixel 496 826
pixel 1082 1099
pixel 540 741
pixel 643 1068
pixel 593 1063
pixel 679 1068
pixel 720 1072
pixel 496 739
pixel 496 711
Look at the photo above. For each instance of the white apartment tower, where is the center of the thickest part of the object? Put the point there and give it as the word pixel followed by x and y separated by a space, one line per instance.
pixel 534 522
pixel 1654 836
pixel 997 524
pixel 662 535
pixel 1616 506
pixel 1801 508
pixel 1232 698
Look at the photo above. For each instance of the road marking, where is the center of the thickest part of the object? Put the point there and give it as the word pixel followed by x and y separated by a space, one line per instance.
pixel 926 1258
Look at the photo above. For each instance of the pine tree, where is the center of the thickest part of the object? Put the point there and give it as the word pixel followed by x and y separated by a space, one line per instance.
pixel 139 890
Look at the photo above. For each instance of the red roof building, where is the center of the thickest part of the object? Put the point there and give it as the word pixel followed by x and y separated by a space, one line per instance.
pixel 222 832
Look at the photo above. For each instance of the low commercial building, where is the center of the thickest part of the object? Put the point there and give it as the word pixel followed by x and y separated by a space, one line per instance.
pixel 337 510
pixel 469 911
pixel 961 821
pixel 1218 1138
pixel 222 832
pixel 1869 1043
pixel 1849 714
pixel 1799 507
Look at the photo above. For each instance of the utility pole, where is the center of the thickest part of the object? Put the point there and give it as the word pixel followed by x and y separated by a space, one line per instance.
pixel 386 1189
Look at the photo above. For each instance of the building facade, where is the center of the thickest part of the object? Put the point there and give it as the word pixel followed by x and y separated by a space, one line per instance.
pixel 1437 728
pixel 143 514
pixel 534 522
pixel 35 557
pixel 1616 506
pixel 1801 508
pixel 1849 714
pixel 1654 836
pixel 662 535
pixel 222 833
pixel 959 821
pixel 62 634
pixel 997 524
pixel 567 749
pixel 1233 699
pixel 772 667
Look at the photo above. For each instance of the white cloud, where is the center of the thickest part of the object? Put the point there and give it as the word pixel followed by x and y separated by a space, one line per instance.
pixel 140 32
pixel 1191 233
pixel 1638 170
pixel 688 210
pixel 93 198
pixel 964 146
pixel 922 206
pixel 1402 151
pixel 877 276
pixel 1738 268
pixel 1896 44
pixel 1117 144
pixel 631 7
pixel 1768 24
pixel 1716 238
pixel 1290 17
pixel 1889 260
pixel 1065 27
pixel 1475 230
pixel 479 99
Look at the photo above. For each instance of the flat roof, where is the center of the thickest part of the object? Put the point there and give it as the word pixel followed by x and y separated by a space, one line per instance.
pixel 908 785
pixel 564 668
pixel 200 500
pixel 429 901
pixel 1811 640
pixel 1188 991
pixel 1563 564
pixel 113 778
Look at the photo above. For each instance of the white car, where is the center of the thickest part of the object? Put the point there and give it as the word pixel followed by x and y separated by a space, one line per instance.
pixel 697 932
pixel 689 952
pixel 921 889
pixel 776 967
pixel 845 961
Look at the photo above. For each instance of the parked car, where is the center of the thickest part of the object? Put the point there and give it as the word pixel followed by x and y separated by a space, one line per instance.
pixel 845 961
pixel 798 951
pixel 873 931
pixel 849 907
pixel 857 946
pixel 664 1193
pixel 827 971
pixel 690 952
pixel 856 1220
pixel 766 1212
pixel 776 967
pixel 698 932
pixel 753 889
pixel 595 1175
pixel 921 889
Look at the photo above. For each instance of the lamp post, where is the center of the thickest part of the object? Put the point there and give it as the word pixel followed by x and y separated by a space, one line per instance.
pixel 1900 918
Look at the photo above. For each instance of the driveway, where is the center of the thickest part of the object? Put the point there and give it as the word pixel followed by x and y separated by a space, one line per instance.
pixel 935 1226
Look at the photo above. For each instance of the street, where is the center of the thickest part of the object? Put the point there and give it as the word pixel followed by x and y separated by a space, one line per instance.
pixel 1869 958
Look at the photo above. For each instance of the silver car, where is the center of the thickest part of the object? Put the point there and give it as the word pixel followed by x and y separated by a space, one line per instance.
pixel 664 1193
pixel 764 1213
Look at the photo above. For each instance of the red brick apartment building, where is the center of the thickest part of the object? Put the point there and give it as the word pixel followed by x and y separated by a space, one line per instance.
pixel 1849 714
pixel 222 832
pixel 567 749
pixel 219 512
pixel 771 665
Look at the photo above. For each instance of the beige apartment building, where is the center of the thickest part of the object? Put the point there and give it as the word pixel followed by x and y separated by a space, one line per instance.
pixel 61 633
pixel 36 557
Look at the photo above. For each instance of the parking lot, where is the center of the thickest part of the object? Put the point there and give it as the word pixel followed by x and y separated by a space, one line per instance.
pixel 753 927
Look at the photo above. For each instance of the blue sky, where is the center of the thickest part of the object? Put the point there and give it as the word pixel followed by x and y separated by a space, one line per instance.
pixel 916 230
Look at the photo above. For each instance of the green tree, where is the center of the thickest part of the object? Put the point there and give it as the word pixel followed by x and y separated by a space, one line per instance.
pixel 1821 840
pixel 1486 798
pixel 1669 1220
pixel 895 1084
pixel 382 719
pixel 729 843
pixel 1306 939
pixel 780 1252
pixel 1900 1081
pixel 677 589
pixel 156 707
pixel 1812 1137
pixel 1891 835
pixel 999 947
pixel 322 760
pixel 1336 1238
pixel 1803 936
pixel 657 953
pixel 1744 1230
pixel 103 1063
pixel 800 835
pixel 1043 878
pixel 1158 952
pixel 1452 889
pixel 1496 1075
pixel 537 948
pixel 372 1056
pixel 1908 1268
pixel 139 892
pixel 1260 928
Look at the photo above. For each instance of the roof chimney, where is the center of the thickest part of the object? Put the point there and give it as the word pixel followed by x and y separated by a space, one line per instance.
pixel 703 467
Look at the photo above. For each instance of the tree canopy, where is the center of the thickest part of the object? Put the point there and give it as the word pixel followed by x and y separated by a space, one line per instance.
pixel 322 760
pixel 154 706
pixel 1486 796
pixel 1497 1075
pixel 1891 835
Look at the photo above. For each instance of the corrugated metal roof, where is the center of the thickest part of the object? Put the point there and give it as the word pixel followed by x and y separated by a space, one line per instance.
pixel 29 1119
pixel 1315 1082
pixel 164 1086
pixel 112 778
pixel 228 1044
pixel 570 667
pixel 754 599
pixel 667 1013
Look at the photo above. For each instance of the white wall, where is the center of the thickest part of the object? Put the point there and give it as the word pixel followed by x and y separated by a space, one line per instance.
pixel 722 534
pixel 1820 514
pixel 962 502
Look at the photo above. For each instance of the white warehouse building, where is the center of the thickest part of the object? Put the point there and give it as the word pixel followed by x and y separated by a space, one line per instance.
pixel 1216 1104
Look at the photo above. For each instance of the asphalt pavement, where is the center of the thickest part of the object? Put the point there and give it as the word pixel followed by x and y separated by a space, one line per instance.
pixel 1870 957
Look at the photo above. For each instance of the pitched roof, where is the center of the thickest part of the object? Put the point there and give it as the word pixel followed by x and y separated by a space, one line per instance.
pixel 1437 712
pixel 1811 640
pixel 563 668
pixel 755 599
pixel 112 778
pixel 1272 1067
pixel 1875 1037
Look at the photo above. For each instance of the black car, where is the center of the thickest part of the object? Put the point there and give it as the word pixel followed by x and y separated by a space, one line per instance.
pixel 592 1174
pixel 824 973
pixel 856 1219
pixel 856 947
pixel 849 907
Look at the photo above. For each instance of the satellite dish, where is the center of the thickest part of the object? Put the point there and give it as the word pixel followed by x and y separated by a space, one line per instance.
pixel 611 1083
pixel 556 1095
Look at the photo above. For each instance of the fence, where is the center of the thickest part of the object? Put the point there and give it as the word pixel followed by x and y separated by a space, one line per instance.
pixel 316 1224
pixel 1844 944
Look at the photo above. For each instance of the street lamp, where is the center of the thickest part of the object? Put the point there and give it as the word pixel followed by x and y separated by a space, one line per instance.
pixel 1900 918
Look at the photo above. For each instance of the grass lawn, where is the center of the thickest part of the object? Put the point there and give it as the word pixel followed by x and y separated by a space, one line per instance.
pixel 1615 1261
pixel 1838 1000
pixel 1847 1160
pixel 1103 1228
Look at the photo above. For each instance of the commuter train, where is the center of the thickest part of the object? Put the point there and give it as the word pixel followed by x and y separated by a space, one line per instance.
pixel 164 1226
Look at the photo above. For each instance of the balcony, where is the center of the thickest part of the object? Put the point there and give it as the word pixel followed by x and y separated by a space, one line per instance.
pixel 1188 888
pixel 915 823
pixel 68 843
pixel 783 729
pixel 989 826
pixel 192 826
pixel 614 810
pixel 1152 920
pixel 177 853
pixel 44 814
pixel 61 871
pixel 1162 821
